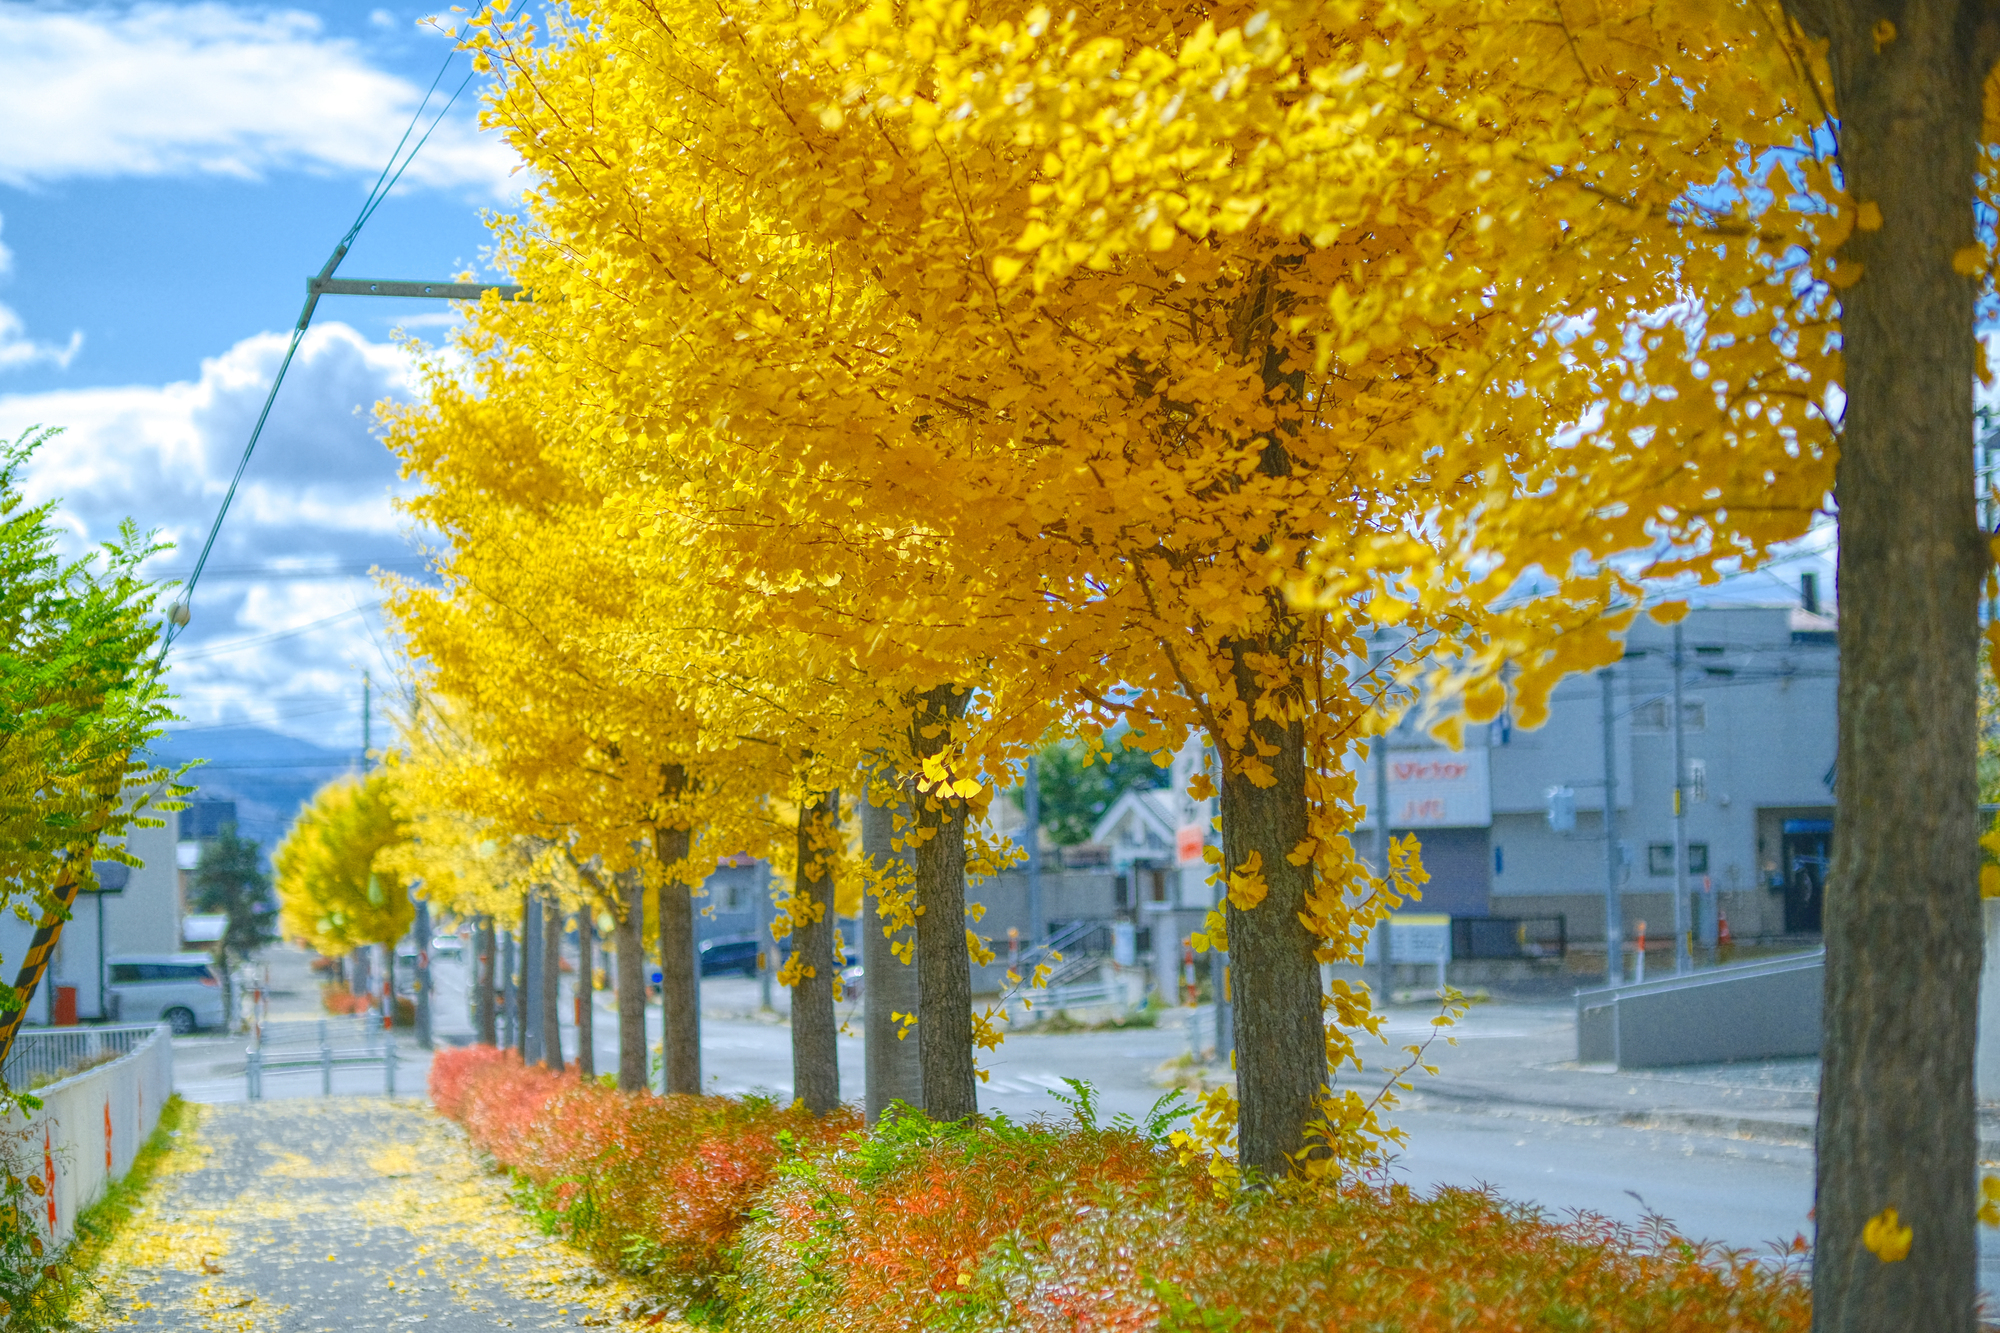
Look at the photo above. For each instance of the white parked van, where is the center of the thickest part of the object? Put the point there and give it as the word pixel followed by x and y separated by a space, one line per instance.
pixel 180 989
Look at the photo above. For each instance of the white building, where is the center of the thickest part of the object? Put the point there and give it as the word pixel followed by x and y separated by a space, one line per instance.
pixel 142 916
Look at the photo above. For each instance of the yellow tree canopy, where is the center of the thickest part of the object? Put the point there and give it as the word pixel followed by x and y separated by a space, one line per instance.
pixel 337 888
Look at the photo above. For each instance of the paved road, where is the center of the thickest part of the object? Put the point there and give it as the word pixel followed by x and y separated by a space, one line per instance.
pixel 344 1215
pixel 1510 1108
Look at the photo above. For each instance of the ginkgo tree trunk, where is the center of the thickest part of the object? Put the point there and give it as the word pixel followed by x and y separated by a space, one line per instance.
pixel 813 964
pixel 680 986
pixel 946 1068
pixel 630 942
pixel 1897 1135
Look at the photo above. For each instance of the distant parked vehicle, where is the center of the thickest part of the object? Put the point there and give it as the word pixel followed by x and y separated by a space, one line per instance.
pixel 179 989
pixel 721 957
pixel 442 946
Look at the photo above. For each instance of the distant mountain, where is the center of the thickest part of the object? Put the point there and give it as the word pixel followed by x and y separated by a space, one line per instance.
pixel 269 775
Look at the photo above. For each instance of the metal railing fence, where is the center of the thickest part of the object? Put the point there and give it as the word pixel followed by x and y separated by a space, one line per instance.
pixel 322 1045
pixel 41 1056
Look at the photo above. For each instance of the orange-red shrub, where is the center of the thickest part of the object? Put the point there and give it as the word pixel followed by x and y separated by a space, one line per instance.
pixel 795 1224
pixel 655 1185
pixel 889 1231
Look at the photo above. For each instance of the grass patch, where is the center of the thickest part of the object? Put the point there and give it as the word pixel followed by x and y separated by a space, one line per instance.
pixel 74 1274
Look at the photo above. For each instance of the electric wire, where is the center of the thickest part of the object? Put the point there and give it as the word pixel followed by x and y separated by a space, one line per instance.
pixel 179 613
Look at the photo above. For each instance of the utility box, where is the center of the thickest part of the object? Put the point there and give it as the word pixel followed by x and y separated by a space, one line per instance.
pixel 65 1006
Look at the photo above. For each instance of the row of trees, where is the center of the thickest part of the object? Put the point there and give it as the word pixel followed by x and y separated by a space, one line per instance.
pixel 905 382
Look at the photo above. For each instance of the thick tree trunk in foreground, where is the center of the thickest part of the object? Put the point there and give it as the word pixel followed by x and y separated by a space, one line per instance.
pixel 680 987
pixel 551 979
pixel 630 941
pixel 1274 976
pixel 483 977
pixel 944 968
pixel 815 1052
pixel 894 1073
pixel 1896 1124
pixel 586 992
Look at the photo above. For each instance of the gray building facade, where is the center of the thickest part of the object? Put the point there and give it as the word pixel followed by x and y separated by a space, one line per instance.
pixel 1758 687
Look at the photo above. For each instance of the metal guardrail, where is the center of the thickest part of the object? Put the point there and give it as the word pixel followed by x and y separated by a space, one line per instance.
pixel 1761 1010
pixel 1082 944
pixel 1081 996
pixel 41 1056
pixel 318 1044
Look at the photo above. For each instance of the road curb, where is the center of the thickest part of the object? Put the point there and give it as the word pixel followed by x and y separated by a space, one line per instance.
pixel 1793 1133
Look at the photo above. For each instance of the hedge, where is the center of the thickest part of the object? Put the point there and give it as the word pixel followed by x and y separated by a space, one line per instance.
pixel 754 1216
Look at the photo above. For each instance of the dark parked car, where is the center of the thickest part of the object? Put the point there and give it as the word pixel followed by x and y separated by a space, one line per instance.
pixel 722 957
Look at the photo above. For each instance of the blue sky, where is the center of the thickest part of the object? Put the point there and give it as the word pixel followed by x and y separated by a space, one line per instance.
pixel 170 174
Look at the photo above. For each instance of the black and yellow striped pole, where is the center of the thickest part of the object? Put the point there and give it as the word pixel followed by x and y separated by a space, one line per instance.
pixel 36 964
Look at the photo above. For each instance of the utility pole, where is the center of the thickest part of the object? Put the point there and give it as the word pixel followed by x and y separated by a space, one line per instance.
pixel 422 930
pixel 367 717
pixel 1683 926
pixel 1032 805
pixel 510 1009
pixel 1614 919
pixel 1382 858
pixel 765 943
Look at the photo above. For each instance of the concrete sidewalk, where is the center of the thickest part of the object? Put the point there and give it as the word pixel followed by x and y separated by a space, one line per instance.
pixel 350 1215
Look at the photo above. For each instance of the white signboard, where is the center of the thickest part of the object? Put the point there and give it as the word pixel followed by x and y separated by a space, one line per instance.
pixel 1431 789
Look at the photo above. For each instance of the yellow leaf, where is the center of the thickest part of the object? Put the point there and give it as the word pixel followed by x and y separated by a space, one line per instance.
pixel 1886 1237
pixel 965 788
pixel 1970 261
pixel 1868 217
pixel 1989 881
pixel 1668 613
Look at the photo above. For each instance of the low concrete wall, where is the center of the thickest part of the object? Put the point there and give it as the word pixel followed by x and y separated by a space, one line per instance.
pixel 90 1127
pixel 1748 1011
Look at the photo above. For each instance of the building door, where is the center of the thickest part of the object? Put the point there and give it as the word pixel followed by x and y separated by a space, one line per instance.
pixel 1807 845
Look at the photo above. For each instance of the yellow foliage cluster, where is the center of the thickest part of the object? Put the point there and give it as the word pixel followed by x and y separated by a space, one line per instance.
pixel 1227 369
pixel 336 880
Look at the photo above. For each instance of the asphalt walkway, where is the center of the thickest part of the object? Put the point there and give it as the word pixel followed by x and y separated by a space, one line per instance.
pixel 338 1215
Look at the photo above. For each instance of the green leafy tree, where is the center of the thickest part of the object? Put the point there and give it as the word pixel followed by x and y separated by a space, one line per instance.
pixel 80 696
pixel 1078 786
pixel 230 882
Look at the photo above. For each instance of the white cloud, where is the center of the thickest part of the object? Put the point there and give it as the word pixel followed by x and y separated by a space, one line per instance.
pixel 318 495
pixel 17 349
pixel 207 89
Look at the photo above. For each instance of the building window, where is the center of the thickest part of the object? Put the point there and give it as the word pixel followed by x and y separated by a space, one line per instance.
pixel 1660 858
pixel 1651 716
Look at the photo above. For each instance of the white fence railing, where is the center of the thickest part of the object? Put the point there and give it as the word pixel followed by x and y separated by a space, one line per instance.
pixel 43 1055
pixel 90 1127
pixel 317 1046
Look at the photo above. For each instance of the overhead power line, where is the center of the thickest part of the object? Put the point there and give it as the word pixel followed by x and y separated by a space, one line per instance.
pixel 324 283
pixel 257 641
